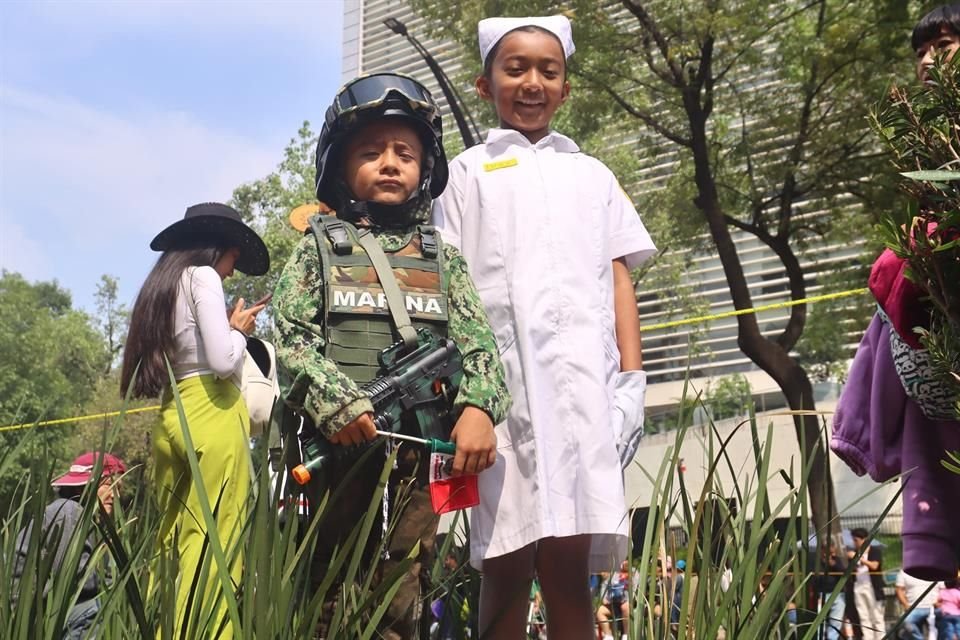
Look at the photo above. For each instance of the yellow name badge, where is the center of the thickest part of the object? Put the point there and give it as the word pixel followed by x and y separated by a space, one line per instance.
pixel 500 164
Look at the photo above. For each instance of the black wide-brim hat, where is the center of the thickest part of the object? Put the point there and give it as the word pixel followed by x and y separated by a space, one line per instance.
pixel 212 224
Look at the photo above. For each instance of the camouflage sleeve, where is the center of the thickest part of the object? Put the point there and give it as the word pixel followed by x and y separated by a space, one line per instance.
pixel 484 382
pixel 330 398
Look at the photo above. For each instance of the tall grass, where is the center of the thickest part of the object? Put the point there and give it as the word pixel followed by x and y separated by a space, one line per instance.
pixel 755 543
pixel 734 528
pixel 766 546
pixel 274 599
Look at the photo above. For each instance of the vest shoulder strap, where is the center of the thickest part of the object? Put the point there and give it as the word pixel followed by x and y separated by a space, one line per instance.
pixel 395 304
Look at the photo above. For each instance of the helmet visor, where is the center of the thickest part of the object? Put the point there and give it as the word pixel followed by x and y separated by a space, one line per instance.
pixel 372 91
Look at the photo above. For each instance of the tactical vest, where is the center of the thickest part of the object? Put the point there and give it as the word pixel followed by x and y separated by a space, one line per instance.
pixel 356 316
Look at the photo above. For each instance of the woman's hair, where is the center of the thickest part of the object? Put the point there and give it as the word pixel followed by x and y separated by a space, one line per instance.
pixel 529 28
pixel 150 337
pixel 952 584
pixel 933 23
pixel 71 492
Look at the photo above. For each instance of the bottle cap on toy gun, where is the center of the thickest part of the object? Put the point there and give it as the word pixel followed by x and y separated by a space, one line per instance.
pixel 301 474
pixel 435 444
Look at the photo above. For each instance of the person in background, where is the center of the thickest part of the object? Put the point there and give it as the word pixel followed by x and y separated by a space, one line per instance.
pixel 678 578
pixel 615 605
pixel 180 320
pixel 537 619
pixel 868 586
pixel 937 34
pixel 924 593
pixel 61 519
pixel 826 583
pixel 948 601
pixel 451 608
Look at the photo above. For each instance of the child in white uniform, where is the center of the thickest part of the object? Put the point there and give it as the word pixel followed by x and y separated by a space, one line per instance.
pixel 549 238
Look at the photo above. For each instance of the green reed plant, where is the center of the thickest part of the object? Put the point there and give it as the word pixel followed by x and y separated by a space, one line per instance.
pixel 744 566
pixel 277 597
pixel 274 599
pixel 748 555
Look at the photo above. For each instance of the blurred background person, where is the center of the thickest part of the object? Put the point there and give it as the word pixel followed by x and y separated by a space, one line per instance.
pixel 61 519
pixel 924 593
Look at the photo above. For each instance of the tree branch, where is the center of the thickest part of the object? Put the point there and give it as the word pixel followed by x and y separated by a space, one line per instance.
pixel 796 152
pixel 743 226
pixel 641 115
pixel 649 25
pixel 704 76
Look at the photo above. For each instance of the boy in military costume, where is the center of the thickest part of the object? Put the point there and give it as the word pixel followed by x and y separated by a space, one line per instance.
pixel 380 162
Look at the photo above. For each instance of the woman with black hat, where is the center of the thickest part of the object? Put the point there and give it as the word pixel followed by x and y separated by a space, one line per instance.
pixel 180 317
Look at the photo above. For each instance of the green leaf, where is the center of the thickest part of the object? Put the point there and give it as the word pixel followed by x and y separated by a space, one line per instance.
pixel 932 175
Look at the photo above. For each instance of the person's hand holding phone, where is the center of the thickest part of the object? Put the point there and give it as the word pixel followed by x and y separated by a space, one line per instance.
pixel 244 320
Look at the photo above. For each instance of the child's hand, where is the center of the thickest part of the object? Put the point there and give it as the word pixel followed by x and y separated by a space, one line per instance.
pixel 244 320
pixel 476 442
pixel 361 429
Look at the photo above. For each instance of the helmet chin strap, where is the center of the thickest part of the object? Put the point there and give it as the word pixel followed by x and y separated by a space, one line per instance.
pixel 375 214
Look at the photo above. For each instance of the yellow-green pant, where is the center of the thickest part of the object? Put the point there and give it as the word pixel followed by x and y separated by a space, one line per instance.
pixel 218 425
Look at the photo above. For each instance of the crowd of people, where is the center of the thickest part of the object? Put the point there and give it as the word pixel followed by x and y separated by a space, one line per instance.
pixel 526 268
pixel 861 610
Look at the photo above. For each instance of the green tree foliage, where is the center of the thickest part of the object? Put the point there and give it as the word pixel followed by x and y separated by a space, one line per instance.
pixel 127 437
pixel 761 107
pixel 728 397
pixel 266 205
pixel 112 317
pixel 52 357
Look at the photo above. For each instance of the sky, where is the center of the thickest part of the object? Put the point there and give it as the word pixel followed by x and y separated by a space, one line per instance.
pixel 116 116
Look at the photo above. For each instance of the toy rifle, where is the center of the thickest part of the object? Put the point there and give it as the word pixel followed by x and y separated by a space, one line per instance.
pixel 421 384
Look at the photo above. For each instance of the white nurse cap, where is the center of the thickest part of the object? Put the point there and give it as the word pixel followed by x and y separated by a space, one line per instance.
pixel 491 30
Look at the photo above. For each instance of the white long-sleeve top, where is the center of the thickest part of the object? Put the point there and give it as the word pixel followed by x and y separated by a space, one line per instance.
pixel 203 340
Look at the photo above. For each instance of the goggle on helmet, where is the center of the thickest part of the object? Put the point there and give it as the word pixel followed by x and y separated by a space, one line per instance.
pixel 370 98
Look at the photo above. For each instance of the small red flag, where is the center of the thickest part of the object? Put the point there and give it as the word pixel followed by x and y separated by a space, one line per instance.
pixel 448 493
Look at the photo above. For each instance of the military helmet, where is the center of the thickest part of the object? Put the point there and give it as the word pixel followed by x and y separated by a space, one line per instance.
pixel 370 98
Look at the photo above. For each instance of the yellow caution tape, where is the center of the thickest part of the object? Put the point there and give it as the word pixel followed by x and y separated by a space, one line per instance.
pixel 740 312
pixel 96 416
pixel 652 327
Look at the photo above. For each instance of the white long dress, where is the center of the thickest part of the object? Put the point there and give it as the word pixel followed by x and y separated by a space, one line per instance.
pixel 539 225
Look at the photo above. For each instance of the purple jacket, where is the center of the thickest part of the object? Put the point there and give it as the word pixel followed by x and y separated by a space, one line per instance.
pixel 880 431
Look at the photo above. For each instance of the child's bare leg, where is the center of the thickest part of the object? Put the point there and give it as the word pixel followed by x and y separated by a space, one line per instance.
pixel 562 567
pixel 505 594
pixel 603 619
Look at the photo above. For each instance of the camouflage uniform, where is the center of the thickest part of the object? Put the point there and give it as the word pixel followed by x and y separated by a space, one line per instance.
pixel 333 399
